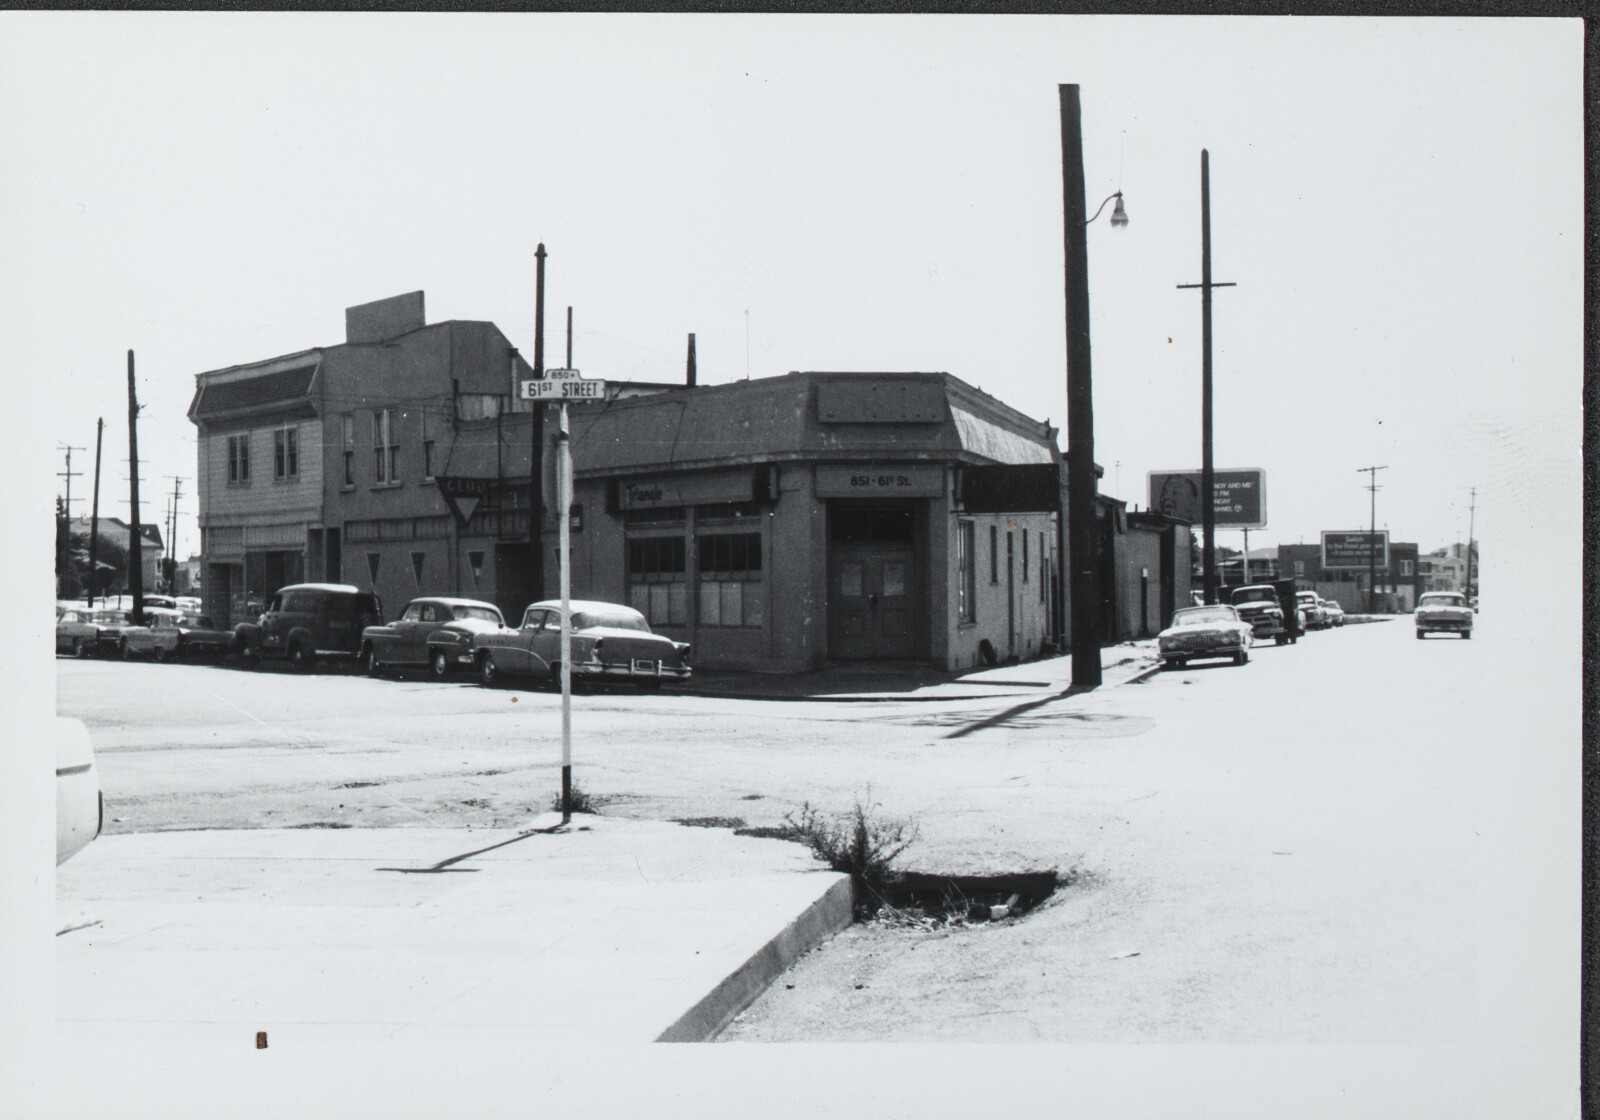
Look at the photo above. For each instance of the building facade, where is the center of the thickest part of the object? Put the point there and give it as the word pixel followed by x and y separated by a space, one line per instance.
pixel 1397 585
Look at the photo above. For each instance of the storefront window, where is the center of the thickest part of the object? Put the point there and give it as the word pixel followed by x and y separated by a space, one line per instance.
pixel 731 589
pixel 967 575
pixel 657 581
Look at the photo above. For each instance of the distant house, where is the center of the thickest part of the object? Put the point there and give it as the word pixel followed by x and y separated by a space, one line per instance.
pixel 119 532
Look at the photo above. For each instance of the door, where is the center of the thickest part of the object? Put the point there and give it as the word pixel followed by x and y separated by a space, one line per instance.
pixel 871 602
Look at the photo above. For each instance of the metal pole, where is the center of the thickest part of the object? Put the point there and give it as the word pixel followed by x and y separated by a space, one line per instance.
pixel 1472 511
pixel 1080 402
pixel 569 338
pixel 135 550
pixel 1372 536
pixel 536 440
pixel 1244 574
pixel 564 512
pixel 94 516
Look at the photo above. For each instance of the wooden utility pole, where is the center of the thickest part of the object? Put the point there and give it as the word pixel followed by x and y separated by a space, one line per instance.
pixel 135 550
pixel 1081 527
pixel 1372 536
pixel 1472 512
pixel 536 440
pixel 1208 512
pixel 94 517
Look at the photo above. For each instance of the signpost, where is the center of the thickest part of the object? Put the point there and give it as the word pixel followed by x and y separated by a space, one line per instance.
pixel 1239 497
pixel 564 385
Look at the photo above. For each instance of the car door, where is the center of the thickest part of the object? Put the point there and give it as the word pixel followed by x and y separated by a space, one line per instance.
pixel 544 648
pixel 402 634
pixel 521 660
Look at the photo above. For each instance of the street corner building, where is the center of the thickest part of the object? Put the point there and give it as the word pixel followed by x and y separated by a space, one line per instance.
pixel 777 524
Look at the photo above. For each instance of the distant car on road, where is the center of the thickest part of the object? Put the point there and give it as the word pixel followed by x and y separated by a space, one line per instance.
pixel 1443 612
pixel 609 642
pixel 1197 632
pixel 432 631
pixel 172 635
pixel 1335 612
pixel 1258 605
pixel 309 622
pixel 77 632
pixel 1314 614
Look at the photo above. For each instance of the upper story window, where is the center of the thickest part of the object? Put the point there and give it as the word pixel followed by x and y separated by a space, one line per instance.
pixel 1405 567
pixel 1299 567
pixel 427 445
pixel 239 458
pixel 347 426
pixel 994 554
pixel 385 447
pixel 966 579
pixel 286 453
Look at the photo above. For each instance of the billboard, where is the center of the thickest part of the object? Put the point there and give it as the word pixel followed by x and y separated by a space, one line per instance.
pixel 1238 497
pixel 1356 551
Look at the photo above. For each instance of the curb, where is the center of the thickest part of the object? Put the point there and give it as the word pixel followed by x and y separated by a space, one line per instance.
pixel 829 914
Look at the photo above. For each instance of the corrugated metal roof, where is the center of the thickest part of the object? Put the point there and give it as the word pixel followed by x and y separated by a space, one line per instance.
pixel 288 386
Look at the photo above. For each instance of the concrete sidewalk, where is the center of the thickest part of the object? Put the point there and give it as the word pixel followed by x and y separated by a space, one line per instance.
pixel 909 680
pixel 610 931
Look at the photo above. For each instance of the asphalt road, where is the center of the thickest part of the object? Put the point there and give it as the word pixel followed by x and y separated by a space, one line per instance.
pixel 1347 841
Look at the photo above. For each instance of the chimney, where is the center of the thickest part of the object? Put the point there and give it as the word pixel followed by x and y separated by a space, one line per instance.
pixel 689 373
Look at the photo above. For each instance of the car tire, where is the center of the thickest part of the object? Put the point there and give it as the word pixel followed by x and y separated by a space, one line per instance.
pixel 161 654
pixel 1280 640
pixel 79 650
pixel 1419 635
pixel 1241 657
pixel 249 655
pixel 1467 635
pixel 301 660
pixel 440 664
pixel 124 652
pixel 488 671
pixel 369 659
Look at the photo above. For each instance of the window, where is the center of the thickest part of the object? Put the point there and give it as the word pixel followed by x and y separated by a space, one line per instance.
pixel 1299 567
pixel 994 554
pixel 347 424
pixel 966 576
pixel 1024 557
pixel 1043 578
pixel 413 613
pixel 384 448
pixel 731 591
pixel 657 580
pixel 1405 568
pixel 427 448
pixel 239 459
pixel 286 453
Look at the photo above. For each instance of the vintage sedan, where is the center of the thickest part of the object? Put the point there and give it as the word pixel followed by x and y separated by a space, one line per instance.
pixel 1335 612
pixel 77 632
pixel 1443 612
pixel 1196 632
pixel 610 642
pixel 1313 611
pixel 432 631
pixel 172 635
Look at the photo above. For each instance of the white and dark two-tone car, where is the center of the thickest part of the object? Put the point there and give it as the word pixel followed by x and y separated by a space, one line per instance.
pixel 1443 612
pixel 1197 632
pixel 432 631
pixel 610 642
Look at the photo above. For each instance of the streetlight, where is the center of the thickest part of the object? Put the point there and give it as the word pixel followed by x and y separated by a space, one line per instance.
pixel 1084 587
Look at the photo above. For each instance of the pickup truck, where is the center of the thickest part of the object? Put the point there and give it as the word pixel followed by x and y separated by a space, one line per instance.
pixel 1257 604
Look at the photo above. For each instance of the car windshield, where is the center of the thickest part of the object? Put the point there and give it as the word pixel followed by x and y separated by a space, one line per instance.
pixel 1204 616
pixel 1255 595
pixel 1437 600
pixel 482 614
pixel 617 618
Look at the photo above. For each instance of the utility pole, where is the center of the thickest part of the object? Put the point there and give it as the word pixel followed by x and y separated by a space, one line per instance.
pixel 64 527
pixel 69 474
pixel 536 439
pixel 1472 511
pixel 135 561
pixel 1081 527
pixel 1372 537
pixel 94 516
pixel 171 552
pixel 1208 512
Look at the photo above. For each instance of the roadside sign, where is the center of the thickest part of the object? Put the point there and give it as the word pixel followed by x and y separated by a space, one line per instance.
pixel 1239 497
pixel 1355 551
pixel 563 388
pixel 562 375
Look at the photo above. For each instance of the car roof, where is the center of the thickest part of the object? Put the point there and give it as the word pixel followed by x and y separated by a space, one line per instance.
pixel 451 602
pixel 343 588
pixel 579 605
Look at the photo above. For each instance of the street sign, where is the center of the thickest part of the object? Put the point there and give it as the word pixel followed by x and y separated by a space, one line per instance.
pixel 563 385
pixel 1239 497
pixel 1356 551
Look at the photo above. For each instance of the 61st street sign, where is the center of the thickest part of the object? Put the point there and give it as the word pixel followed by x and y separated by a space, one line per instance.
pixel 563 385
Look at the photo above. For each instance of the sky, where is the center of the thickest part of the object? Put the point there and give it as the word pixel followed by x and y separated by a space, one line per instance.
pixel 1399 202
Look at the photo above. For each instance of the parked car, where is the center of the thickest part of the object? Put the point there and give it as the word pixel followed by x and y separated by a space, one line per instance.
pixel 1197 632
pixel 309 622
pixel 1335 612
pixel 174 635
pixel 1443 612
pixel 410 639
pixel 1258 605
pixel 111 626
pixel 77 632
pixel 80 808
pixel 609 642
pixel 1313 615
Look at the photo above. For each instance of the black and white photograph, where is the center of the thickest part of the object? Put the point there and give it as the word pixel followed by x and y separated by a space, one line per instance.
pixel 969 564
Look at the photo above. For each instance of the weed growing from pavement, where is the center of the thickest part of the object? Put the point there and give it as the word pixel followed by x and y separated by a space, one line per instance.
pixel 711 822
pixel 861 843
pixel 581 801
